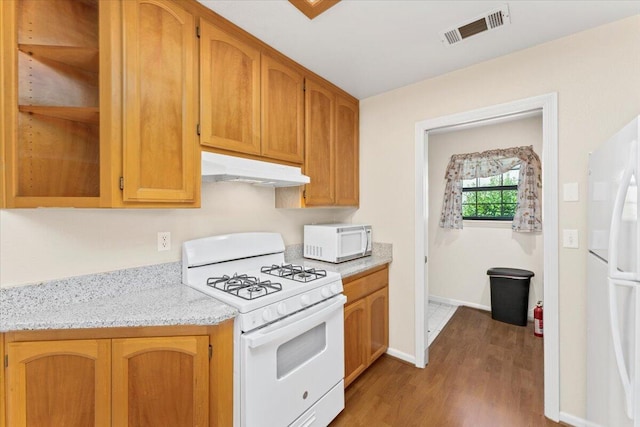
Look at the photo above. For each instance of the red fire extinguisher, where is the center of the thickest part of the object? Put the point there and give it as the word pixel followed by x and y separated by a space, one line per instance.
pixel 537 319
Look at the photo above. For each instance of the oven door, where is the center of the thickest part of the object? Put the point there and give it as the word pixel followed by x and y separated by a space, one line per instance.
pixel 288 366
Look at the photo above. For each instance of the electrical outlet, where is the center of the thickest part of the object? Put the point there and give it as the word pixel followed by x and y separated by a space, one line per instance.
pixel 164 241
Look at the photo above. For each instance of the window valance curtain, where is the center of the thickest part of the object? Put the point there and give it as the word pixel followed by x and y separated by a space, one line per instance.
pixel 528 214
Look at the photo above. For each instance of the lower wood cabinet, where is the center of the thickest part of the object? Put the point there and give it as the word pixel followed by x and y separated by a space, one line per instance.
pixel 366 320
pixel 118 380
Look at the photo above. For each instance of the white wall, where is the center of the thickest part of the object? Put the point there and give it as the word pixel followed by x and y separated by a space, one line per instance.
pixel 459 259
pixel 596 75
pixel 45 244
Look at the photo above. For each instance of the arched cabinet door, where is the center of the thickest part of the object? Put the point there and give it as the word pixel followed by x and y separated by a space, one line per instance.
pixel 161 381
pixel 347 153
pixel 229 92
pixel 160 104
pixel 320 107
pixel 282 100
pixel 355 340
pixel 59 383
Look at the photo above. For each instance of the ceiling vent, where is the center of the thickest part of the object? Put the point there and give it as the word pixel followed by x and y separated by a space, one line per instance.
pixel 491 20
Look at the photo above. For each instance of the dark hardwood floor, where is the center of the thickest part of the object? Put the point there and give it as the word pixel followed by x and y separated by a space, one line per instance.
pixel 482 373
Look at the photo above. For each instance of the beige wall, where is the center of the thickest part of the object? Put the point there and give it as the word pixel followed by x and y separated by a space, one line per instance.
pixel 596 75
pixel 480 245
pixel 45 244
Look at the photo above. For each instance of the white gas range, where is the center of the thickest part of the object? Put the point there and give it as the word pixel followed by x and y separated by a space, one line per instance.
pixel 289 334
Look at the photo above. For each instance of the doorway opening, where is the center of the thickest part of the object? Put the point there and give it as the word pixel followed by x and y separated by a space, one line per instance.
pixel 546 105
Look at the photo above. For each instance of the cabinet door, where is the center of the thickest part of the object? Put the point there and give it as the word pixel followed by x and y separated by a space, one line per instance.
pixel 282 111
pixel 50 114
pixel 319 144
pixel 229 92
pixel 347 156
pixel 2 382
pixel 378 304
pixel 355 339
pixel 59 383
pixel 161 381
pixel 160 104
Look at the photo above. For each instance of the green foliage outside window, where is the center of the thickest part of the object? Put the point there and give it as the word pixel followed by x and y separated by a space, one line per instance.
pixel 493 198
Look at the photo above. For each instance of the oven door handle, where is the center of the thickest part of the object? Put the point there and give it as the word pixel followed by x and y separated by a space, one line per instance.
pixel 295 325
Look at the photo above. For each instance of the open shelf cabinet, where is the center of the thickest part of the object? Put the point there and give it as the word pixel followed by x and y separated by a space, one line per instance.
pixel 52 108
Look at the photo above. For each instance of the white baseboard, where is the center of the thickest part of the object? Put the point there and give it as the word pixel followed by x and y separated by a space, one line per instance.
pixel 458 303
pixel 401 355
pixel 574 421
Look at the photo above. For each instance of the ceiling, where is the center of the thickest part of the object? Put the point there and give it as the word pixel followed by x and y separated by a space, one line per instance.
pixel 367 47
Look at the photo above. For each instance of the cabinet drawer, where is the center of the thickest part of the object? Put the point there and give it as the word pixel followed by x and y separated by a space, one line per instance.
pixel 364 286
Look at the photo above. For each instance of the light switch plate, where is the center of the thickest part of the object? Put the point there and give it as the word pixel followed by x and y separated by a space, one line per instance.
pixel 571 192
pixel 570 239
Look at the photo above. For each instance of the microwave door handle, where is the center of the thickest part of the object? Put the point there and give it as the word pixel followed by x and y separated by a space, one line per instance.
pixel 616 217
pixel 616 333
pixel 294 326
pixel 365 240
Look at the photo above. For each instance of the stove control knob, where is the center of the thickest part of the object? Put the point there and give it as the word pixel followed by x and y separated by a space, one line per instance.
pixel 305 300
pixel 325 292
pixel 334 289
pixel 282 309
pixel 267 316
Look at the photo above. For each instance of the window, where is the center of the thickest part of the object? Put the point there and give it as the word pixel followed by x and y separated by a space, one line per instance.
pixel 493 198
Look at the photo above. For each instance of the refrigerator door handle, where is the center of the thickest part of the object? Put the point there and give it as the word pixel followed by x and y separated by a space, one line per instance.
pixel 616 335
pixel 616 217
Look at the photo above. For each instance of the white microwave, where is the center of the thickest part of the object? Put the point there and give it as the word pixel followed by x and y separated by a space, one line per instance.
pixel 337 242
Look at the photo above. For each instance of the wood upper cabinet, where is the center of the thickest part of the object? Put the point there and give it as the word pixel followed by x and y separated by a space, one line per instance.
pixel 251 103
pixel 161 381
pixel 50 102
pixel 331 152
pixel 347 153
pixel 161 154
pixel 229 92
pixel 366 321
pixel 319 159
pixel 282 111
pixel 59 383
pixel 95 91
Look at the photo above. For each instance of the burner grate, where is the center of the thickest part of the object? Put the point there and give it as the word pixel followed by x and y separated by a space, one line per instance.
pixel 294 272
pixel 244 286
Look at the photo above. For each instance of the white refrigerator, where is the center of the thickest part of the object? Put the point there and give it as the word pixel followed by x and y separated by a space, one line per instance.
pixel 613 282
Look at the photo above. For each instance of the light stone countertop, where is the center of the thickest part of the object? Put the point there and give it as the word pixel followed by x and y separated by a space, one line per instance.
pixel 381 254
pixel 144 296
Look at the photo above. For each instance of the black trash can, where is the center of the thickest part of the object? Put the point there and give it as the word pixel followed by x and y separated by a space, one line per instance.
pixel 510 294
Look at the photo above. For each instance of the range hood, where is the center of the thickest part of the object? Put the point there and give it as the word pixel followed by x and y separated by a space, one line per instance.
pixel 219 167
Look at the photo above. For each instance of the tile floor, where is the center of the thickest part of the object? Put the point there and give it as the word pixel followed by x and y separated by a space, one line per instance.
pixel 438 315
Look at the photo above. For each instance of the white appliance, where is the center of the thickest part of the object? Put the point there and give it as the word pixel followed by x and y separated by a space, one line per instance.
pixel 220 167
pixel 613 282
pixel 289 334
pixel 337 242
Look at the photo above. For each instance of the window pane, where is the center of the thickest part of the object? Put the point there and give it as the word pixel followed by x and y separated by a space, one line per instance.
pixel 491 181
pixel 469 183
pixel 469 210
pixel 468 197
pixel 511 177
pixel 508 210
pixel 490 210
pixel 510 196
pixel 490 196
